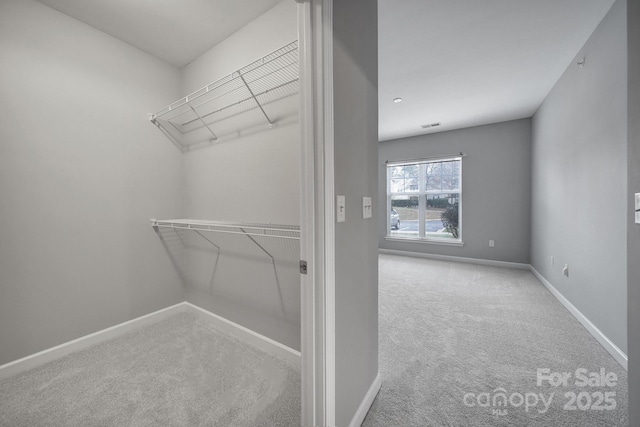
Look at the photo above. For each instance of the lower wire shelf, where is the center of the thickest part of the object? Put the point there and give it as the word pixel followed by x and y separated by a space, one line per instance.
pixel 248 229
pixel 252 231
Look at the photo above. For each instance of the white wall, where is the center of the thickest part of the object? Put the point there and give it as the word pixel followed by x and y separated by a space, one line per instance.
pixel 81 173
pixel 248 175
pixel 579 176
pixel 496 188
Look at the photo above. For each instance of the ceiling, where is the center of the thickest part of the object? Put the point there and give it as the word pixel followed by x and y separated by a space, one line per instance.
pixel 176 31
pixel 470 62
pixel 456 62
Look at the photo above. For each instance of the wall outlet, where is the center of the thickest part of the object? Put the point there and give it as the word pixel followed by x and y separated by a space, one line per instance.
pixel 341 208
pixel 367 209
pixel 565 270
pixel 491 243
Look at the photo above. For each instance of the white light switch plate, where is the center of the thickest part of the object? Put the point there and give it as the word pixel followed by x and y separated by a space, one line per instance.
pixel 341 208
pixel 637 208
pixel 366 208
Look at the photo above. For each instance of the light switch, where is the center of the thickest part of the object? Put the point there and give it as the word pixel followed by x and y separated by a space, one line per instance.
pixel 637 208
pixel 341 208
pixel 366 208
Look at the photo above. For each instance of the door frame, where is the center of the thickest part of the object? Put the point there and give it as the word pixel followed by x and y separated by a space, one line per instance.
pixel 317 212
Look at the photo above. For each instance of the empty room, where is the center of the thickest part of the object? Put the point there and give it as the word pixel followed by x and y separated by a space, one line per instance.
pixel 503 125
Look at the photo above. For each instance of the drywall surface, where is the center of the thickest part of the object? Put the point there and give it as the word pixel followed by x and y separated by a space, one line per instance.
pixel 251 174
pixel 633 233
pixel 81 173
pixel 579 180
pixel 355 74
pixel 496 188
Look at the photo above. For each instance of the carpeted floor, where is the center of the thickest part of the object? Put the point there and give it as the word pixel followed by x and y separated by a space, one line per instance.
pixel 455 339
pixel 178 372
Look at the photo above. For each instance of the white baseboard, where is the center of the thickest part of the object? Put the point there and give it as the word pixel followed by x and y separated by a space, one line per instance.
pixel 366 403
pixel 613 349
pixel 247 335
pixel 54 353
pixel 456 259
pixel 608 345
pixel 38 359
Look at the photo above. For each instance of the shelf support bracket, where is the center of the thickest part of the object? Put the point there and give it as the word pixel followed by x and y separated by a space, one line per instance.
pixel 215 138
pixel 273 262
pixel 255 99
pixel 168 134
pixel 215 266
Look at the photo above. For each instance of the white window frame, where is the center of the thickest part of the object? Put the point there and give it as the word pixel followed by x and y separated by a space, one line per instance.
pixel 422 195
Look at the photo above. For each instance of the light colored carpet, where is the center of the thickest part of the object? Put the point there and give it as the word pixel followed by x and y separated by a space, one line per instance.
pixel 450 330
pixel 178 372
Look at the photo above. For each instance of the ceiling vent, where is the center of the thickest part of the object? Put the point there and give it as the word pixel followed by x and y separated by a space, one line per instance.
pixel 431 125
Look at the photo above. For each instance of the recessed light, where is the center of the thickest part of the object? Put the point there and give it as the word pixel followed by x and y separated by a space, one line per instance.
pixel 397 100
pixel 431 125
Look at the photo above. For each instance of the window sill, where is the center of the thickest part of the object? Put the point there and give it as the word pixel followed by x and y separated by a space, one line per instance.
pixel 424 241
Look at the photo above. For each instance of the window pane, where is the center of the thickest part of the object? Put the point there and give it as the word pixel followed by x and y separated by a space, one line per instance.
pixel 443 216
pixel 403 179
pixel 404 216
pixel 443 176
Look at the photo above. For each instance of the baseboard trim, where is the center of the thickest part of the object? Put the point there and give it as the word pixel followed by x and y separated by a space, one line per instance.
pixel 38 359
pixel 488 262
pixel 49 355
pixel 366 403
pixel 247 335
pixel 605 342
pixel 613 349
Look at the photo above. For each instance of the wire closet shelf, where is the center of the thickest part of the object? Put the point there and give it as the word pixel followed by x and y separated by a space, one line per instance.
pixel 279 231
pixel 252 87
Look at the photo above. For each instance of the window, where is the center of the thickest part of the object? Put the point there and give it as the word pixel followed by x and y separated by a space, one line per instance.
pixel 424 200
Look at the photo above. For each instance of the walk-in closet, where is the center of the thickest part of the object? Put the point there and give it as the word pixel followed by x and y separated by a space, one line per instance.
pixel 161 197
pixel 169 247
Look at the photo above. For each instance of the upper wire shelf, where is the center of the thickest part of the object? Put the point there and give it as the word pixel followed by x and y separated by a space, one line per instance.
pixel 252 87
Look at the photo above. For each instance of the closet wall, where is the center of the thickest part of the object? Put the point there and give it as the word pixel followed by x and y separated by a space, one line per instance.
pixel 249 175
pixel 81 173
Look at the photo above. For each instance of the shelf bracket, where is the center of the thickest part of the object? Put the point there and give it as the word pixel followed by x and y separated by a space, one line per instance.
pixel 273 262
pixel 255 99
pixel 215 138
pixel 215 266
pixel 167 134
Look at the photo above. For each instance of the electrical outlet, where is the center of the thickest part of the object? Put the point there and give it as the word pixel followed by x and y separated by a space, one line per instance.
pixel 491 243
pixel 366 208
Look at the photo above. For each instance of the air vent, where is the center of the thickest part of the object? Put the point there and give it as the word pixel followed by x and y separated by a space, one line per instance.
pixel 431 125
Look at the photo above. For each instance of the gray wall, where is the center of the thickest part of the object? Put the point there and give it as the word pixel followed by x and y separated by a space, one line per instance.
pixel 633 234
pixel 579 197
pixel 496 188
pixel 252 175
pixel 81 173
pixel 355 73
